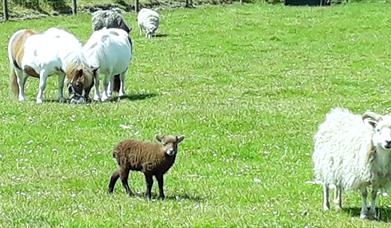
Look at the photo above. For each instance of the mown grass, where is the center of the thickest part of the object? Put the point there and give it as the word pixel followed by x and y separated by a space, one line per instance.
pixel 247 86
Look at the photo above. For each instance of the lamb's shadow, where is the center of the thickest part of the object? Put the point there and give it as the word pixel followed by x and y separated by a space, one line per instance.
pixel 383 214
pixel 176 197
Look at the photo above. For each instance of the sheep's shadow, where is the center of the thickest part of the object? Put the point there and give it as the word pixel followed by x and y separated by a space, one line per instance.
pixel 383 214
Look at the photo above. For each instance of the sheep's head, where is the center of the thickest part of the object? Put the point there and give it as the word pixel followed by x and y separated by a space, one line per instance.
pixel 170 143
pixel 382 129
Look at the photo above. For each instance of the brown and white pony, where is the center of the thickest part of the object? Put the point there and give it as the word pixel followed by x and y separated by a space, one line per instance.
pixel 40 55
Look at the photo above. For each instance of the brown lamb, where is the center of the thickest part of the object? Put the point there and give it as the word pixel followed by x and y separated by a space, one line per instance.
pixel 153 159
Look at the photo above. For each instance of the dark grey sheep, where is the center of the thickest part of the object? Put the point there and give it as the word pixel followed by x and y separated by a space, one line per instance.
pixel 109 19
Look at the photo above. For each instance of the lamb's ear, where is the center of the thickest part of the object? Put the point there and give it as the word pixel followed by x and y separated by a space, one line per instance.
pixel 159 138
pixel 371 118
pixel 180 138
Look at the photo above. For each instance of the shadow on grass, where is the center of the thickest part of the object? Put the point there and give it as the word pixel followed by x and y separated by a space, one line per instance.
pixel 161 35
pixel 177 197
pixel 383 214
pixel 134 97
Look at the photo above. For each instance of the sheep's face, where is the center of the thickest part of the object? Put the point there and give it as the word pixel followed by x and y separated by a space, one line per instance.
pixel 170 143
pixel 382 130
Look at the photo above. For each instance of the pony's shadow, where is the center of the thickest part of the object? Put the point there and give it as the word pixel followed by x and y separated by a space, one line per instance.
pixel 160 35
pixel 134 97
pixel 383 214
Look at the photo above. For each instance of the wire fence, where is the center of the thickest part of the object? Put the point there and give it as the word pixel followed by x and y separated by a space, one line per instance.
pixel 25 9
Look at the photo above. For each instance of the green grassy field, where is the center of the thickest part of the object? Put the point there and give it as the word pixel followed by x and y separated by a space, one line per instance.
pixel 247 86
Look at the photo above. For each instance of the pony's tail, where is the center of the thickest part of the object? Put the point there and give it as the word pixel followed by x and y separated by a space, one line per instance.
pixel 13 82
pixel 116 83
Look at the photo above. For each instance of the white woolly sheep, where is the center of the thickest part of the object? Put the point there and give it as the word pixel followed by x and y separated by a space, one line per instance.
pixel 153 159
pixel 352 152
pixel 148 22
pixel 109 19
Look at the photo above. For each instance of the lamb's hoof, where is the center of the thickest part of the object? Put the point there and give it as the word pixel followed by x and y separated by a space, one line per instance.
pixel 22 99
pixel 39 101
pixel 326 207
pixel 161 197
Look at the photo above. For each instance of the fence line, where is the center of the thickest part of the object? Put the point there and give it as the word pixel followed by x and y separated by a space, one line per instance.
pixel 189 3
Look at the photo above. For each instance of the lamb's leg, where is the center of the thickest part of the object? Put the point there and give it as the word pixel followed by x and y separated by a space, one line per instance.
pixel 338 197
pixel 113 180
pixel 124 174
pixel 326 204
pixel 149 180
pixel 43 76
pixel 160 181
pixel 364 207
pixel 372 209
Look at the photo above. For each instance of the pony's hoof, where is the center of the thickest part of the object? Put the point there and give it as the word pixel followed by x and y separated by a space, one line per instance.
pixel 39 101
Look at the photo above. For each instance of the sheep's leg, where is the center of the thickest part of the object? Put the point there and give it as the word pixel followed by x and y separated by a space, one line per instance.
pixel 372 209
pixel 338 197
pixel 124 174
pixel 113 180
pixel 160 181
pixel 326 204
pixel 149 180
pixel 364 208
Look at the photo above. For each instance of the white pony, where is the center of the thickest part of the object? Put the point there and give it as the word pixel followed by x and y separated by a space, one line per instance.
pixel 43 54
pixel 109 50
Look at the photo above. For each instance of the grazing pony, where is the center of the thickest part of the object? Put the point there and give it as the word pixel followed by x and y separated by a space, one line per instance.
pixel 40 55
pixel 110 51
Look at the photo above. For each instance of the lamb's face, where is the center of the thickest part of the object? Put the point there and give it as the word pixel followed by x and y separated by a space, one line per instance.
pixel 170 143
pixel 382 135
pixel 382 129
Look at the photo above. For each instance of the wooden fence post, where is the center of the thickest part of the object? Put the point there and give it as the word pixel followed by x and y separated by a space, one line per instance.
pixel 74 7
pixel 136 6
pixel 5 10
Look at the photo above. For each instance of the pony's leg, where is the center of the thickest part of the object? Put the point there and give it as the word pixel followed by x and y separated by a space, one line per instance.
pixel 364 207
pixel 105 87
pixel 326 204
pixel 61 78
pixel 110 87
pixel 338 197
pixel 372 209
pixel 43 77
pixel 21 80
pixel 122 84
pixel 97 96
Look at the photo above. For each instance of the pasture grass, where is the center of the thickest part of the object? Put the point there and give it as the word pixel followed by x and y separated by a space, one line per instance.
pixel 247 85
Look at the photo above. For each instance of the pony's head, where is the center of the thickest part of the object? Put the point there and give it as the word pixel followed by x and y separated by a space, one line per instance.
pixel 81 80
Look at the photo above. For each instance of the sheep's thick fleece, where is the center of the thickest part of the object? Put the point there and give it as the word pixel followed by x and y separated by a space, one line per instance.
pixel 344 152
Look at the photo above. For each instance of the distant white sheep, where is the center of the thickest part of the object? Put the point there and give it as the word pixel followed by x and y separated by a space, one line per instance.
pixel 148 22
pixel 353 152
